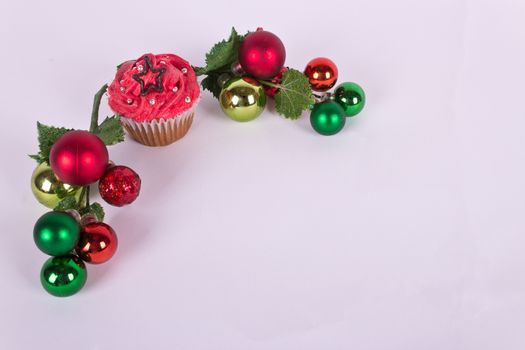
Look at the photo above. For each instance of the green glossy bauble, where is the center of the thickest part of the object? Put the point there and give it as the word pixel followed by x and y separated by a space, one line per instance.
pixel 56 233
pixel 327 118
pixel 63 276
pixel 351 97
pixel 242 99
pixel 48 189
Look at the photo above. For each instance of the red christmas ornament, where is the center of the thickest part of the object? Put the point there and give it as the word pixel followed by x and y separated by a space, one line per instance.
pixel 262 54
pixel 270 91
pixel 78 158
pixel 322 73
pixel 97 244
pixel 119 185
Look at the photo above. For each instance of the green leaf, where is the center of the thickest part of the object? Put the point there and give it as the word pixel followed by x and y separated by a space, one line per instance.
pixel 110 131
pixel 97 209
pixel 199 70
pixel 67 203
pixel 36 157
pixel 224 53
pixel 211 84
pixel 47 135
pixel 294 95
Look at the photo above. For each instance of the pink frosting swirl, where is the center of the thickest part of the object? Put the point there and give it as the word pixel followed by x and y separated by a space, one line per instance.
pixel 153 87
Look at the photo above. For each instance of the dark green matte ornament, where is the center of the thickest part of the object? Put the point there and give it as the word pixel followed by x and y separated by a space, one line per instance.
pixel 327 118
pixel 63 276
pixel 56 233
pixel 351 97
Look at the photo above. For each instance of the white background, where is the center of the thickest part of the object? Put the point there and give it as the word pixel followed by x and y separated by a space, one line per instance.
pixel 404 231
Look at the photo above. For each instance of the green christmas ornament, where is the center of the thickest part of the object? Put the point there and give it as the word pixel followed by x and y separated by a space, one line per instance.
pixel 63 276
pixel 327 118
pixel 242 99
pixel 56 233
pixel 351 97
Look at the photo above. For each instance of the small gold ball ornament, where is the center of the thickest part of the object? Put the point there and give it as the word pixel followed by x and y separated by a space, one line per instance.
pixel 48 189
pixel 242 99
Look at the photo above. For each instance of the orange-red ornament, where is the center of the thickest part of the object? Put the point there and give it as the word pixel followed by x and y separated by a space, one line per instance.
pixel 98 243
pixel 322 73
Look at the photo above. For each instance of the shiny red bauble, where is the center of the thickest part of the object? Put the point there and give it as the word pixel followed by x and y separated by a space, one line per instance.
pixel 97 244
pixel 262 54
pixel 270 91
pixel 119 185
pixel 322 73
pixel 79 158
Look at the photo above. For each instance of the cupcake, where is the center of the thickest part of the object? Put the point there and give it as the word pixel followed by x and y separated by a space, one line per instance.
pixel 155 96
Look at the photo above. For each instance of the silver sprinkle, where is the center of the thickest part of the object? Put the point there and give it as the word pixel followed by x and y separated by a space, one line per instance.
pixel 175 89
pixel 129 101
pixel 122 82
pixel 162 62
pixel 140 68
pixel 152 101
pixel 184 70
pixel 187 99
pixel 122 88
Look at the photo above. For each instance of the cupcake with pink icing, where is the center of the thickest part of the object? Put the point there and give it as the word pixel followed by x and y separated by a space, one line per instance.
pixel 155 96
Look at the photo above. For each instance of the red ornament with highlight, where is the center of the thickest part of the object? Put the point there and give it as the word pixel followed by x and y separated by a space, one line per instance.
pixel 119 185
pixel 79 158
pixel 322 73
pixel 262 54
pixel 97 244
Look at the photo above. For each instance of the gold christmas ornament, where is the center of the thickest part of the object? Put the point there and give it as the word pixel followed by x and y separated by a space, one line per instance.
pixel 242 99
pixel 49 190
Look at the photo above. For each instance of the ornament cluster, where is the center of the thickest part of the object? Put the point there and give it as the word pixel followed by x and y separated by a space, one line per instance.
pixel 329 113
pixel 244 71
pixel 73 233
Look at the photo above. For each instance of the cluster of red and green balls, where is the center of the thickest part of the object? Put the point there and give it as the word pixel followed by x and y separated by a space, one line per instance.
pixel 261 60
pixel 328 116
pixel 71 237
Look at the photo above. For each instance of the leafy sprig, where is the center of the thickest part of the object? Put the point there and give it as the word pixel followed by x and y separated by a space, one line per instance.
pixel 294 92
pixel 47 135
pixel 110 131
pixel 222 55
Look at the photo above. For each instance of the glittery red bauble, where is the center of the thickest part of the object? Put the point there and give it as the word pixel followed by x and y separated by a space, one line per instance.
pixel 119 185
pixel 262 54
pixel 78 158
pixel 270 91
pixel 97 244
pixel 322 73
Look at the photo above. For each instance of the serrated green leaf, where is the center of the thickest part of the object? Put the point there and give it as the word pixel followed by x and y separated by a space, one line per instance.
pixel 199 70
pixel 47 135
pixel 110 131
pixel 67 203
pixel 211 84
pixel 37 158
pixel 97 209
pixel 224 53
pixel 294 95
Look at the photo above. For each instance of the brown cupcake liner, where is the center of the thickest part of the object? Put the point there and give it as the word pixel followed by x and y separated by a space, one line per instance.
pixel 159 132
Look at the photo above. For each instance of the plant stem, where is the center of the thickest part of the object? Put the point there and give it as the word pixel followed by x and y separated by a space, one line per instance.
pixel 81 202
pixel 96 105
pixel 267 83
